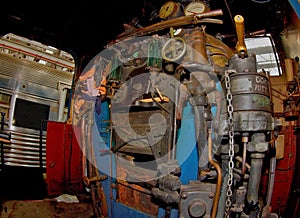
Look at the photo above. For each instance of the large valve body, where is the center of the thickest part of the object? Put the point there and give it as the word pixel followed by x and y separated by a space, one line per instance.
pixel 251 99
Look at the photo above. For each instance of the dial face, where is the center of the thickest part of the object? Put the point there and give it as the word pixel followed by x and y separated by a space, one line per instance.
pixel 193 8
pixel 168 9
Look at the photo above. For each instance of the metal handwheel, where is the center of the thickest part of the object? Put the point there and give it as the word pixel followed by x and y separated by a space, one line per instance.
pixel 174 49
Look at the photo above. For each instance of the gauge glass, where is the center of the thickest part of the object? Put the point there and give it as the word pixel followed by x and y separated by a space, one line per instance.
pixel 177 32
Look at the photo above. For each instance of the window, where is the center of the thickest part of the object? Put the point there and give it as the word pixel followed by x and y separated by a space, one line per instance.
pixel 31 50
pixel 28 114
pixel 266 55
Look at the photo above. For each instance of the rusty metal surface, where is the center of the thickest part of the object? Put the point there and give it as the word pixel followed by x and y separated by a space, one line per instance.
pixel 139 122
pixel 135 196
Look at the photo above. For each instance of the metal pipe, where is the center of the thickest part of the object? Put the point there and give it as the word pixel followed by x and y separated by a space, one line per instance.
pixel 201 134
pixel 244 159
pixel 240 159
pixel 199 101
pixel 245 141
pixel 175 23
pixel 255 175
pixel 199 54
pixel 271 179
pixel 266 209
pixel 174 125
pixel 62 100
pixel 219 174
pixel 272 170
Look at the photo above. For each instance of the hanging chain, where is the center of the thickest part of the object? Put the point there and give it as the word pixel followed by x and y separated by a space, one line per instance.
pixel 231 142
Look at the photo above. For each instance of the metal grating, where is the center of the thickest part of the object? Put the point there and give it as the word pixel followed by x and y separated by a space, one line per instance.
pixel 22 69
pixel 24 150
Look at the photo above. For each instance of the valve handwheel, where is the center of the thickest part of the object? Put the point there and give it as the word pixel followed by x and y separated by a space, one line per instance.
pixel 174 49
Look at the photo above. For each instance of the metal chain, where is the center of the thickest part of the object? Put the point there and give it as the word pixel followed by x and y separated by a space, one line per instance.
pixel 231 142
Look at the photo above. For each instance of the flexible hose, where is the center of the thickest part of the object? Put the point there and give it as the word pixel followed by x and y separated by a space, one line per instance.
pixel 219 173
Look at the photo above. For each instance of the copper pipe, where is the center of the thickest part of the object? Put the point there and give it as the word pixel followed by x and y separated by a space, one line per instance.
pixel 244 159
pixel 219 173
pixel 245 141
pixel 198 44
pixel 271 142
pixel 240 159
pixel 175 22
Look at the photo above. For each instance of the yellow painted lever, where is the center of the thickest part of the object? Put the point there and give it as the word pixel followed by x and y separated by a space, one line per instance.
pixel 240 31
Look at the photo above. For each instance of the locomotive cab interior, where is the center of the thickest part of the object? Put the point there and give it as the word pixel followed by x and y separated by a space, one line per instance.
pixel 179 109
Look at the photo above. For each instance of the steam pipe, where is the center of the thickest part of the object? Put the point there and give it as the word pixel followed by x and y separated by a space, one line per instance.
pixel 271 179
pixel 266 209
pixel 198 45
pixel 176 22
pixel 199 102
pixel 255 175
pixel 219 173
pixel 200 134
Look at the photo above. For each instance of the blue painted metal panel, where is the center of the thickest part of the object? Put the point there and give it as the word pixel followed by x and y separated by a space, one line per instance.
pixel 186 153
pixel 106 165
pixel 123 211
pixel 296 6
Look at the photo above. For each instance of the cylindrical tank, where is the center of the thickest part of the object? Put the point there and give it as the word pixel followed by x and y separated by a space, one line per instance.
pixel 251 100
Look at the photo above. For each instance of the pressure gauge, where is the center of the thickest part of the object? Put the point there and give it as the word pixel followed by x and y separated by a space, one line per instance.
pixel 196 7
pixel 169 9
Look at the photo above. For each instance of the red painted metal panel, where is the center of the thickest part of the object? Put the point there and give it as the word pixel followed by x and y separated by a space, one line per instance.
pixel 63 160
pixel 284 174
pixel 73 162
pixel 55 158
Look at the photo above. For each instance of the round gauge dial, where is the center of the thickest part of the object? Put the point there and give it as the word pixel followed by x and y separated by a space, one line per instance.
pixel 168 9
pixel 196 7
